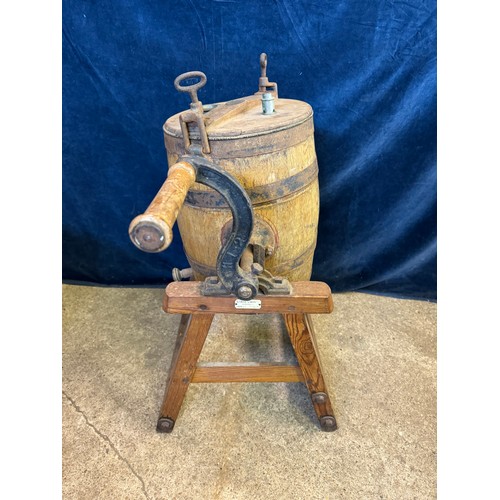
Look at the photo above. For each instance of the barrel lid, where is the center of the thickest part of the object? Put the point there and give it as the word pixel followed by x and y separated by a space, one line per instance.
pixel 244 117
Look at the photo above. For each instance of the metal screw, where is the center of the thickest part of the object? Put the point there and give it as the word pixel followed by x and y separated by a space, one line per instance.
pixel 244 292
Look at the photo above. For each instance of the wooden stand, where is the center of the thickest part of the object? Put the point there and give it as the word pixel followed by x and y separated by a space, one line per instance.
pixel 197 311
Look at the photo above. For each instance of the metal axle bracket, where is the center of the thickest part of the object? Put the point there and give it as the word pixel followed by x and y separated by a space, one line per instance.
pixel 231 277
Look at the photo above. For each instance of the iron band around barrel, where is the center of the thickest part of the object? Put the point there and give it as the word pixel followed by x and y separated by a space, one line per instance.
pixel 260 194
pixel 281 269
pixel 244 146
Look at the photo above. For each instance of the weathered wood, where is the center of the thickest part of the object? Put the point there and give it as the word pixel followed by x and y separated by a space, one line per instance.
pixel 160 216
pixel 300 330
pixel 193 331
pixel 307 297
pixel 274 160
pixel 243 131
pixel 247 372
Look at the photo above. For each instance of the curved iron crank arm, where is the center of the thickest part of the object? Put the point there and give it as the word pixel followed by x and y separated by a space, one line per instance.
pixel 233 279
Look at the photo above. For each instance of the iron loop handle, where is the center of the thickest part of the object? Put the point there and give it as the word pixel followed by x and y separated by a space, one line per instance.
pixel 191 89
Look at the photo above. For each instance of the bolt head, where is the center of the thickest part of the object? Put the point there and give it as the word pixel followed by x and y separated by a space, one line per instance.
pixel 244 292
pixel 257 268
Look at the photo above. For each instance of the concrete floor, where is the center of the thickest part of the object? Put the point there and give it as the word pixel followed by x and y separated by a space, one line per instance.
pixel 247 441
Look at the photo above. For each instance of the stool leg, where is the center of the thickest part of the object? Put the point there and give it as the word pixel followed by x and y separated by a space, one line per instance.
pixel 300 330
pixel 193 331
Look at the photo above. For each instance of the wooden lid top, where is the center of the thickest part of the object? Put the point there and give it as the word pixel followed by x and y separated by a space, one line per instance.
pixel 244 117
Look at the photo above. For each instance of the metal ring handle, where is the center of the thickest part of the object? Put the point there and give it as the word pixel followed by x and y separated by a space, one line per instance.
pixel 192 89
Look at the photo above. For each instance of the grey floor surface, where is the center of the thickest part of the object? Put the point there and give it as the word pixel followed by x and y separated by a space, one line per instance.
pixel 247 441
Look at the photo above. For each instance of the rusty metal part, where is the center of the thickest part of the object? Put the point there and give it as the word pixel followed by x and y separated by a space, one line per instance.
pixel 264 234
pixel 196 113
pixel 273 285
pixel 268 284
pixel 232 278
pixel 282 268
pixel 258 195
pixel 212 287
pixel 165 425
pixel 252 259
pixel 328 423
pixel 264 84
pixel 257 268
pixel 260 253
pixel 182 274
pixel 246 260
pixel 192 90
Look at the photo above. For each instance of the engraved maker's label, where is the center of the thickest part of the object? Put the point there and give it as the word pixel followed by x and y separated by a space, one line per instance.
pixel 247 304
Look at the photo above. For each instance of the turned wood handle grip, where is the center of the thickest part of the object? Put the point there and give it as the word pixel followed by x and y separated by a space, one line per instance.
pixel 152 231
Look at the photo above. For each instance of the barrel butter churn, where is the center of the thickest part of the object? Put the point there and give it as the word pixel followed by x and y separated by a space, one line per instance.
pixel 243 186
pixel 265 144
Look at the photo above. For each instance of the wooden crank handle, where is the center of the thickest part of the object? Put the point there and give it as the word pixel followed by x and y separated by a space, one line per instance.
pixel 152 231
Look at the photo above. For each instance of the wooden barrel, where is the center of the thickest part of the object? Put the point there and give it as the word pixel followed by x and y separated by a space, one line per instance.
pixel 274 159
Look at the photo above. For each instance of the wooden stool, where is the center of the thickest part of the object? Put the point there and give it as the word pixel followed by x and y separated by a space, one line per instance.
pixel 308 297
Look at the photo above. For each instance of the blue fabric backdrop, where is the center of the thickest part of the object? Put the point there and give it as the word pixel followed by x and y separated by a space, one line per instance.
pixel 368 68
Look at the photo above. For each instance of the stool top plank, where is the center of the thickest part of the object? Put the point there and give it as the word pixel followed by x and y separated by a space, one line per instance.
pixel 312 297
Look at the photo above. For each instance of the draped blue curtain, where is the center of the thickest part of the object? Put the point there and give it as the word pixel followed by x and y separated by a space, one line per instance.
pixel 367 68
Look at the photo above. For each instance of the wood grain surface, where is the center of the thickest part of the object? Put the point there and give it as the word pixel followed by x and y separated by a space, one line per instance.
pixel 274 160
pixel 247 372
pixel 193 331
pixel 303 340
pixel 307 297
